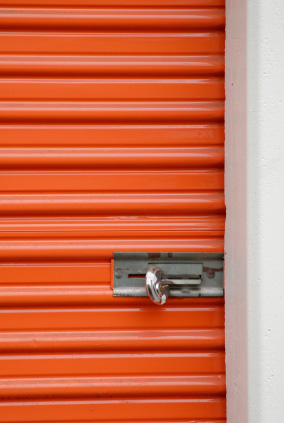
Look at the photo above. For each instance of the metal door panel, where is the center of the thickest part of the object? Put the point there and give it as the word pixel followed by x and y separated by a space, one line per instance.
pixel 111 140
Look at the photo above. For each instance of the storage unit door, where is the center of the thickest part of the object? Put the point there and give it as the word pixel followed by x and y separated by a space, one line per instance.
pixel 111 128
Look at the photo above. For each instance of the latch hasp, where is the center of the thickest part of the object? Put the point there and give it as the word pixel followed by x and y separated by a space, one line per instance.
pixel 129 270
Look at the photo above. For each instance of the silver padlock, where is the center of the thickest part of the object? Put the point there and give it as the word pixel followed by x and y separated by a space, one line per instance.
pixel 156 290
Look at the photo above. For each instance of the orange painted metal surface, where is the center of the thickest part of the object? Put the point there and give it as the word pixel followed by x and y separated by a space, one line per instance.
pixel 111 128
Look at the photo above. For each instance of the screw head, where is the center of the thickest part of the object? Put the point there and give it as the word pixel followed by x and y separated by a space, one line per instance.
pixel 118 273
pixel 210 274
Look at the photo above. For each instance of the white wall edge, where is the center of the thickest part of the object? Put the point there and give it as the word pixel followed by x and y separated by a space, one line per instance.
pixel 254 191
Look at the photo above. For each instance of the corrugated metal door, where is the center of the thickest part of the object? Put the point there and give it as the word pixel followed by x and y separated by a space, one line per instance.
pixel 111 140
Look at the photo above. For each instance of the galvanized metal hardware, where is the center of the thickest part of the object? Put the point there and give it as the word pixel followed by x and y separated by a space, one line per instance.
pixel 163 275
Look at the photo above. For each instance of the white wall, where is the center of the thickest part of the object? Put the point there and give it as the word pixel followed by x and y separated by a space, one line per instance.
pixel 255 211
pixel 236 222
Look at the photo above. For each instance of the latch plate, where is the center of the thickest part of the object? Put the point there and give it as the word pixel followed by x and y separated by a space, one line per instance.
pixel 129 272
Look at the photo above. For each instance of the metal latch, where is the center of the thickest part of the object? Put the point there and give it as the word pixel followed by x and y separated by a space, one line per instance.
pixel 163 275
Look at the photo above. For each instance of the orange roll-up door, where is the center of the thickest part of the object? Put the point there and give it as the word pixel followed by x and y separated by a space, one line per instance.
pixel 111 128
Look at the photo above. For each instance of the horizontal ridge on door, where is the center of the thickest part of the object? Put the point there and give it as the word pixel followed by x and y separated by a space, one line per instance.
pixel 111 66
pixel 115 44
pixel 206 315
pixel 118 181
pixel 74 226
pixel 176 157
pixel 203 134
pixel 88 204
pixel 114 387
pixel 123 341
pixel 114 3
pixel 111 20
pixel 112 364
pixel 54 296
pixel 111 112
pixel 159 410
pixel 101 249
pixel 119 89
